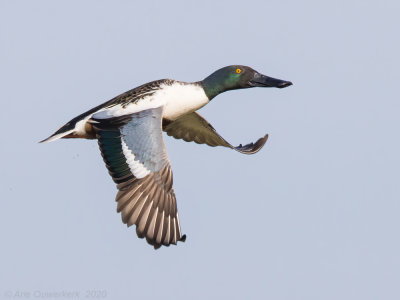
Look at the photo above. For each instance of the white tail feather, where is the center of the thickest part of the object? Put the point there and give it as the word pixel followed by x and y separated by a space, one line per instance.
pixel 57 136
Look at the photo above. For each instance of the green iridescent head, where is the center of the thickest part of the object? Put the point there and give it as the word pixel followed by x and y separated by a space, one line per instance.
pixel 238 77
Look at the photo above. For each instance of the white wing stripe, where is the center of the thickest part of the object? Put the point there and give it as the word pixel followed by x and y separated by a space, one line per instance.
pixel 137 168
pixel 147 102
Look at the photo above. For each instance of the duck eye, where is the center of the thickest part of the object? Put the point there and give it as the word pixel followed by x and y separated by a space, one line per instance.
pixel 238 71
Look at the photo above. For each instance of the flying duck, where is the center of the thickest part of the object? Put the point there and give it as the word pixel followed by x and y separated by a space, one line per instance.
pixel 129 128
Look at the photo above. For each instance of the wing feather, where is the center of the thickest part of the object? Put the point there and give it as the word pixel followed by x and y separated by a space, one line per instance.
pixel 134 153
pixel 194 128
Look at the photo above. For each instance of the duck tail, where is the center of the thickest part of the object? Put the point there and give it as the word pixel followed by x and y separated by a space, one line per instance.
pixel 76 128
pixel 62 132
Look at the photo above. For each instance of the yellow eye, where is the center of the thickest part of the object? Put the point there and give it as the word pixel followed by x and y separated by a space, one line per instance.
pixel 238 71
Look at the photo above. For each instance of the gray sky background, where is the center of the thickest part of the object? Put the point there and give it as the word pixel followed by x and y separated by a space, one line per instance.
pixel 314 215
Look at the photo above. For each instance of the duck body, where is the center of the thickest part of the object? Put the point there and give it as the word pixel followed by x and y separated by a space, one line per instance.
pixel 177 99
pixel 129 128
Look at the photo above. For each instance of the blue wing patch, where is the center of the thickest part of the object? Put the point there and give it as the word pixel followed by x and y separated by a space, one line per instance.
pixel 133 149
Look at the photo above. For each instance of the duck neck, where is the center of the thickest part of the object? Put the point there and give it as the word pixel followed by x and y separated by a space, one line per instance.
pixel 212 86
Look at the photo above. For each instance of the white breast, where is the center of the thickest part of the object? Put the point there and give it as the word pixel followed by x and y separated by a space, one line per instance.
pixel 180 99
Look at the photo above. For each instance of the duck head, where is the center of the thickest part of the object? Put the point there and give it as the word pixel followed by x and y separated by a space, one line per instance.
pixel 238 77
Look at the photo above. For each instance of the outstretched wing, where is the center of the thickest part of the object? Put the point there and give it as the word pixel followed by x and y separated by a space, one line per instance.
pixel 194 128
pixel 133 149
